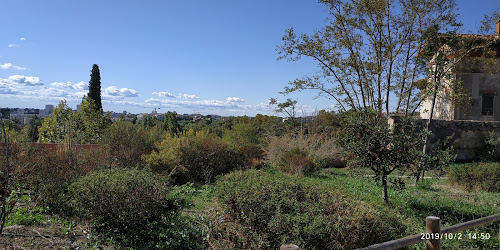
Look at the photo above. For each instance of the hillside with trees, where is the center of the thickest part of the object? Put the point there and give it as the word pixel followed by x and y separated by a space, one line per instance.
pixel 346 179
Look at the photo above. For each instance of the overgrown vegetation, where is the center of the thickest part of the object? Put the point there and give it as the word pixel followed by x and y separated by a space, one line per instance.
pixel 275 209
pixel 476 176
pixel 369 141
pixel 132 207
pixel 196 157
pixel 258 183
pixel 303 154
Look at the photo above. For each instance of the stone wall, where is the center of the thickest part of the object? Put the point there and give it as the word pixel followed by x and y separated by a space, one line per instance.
pixel 468 137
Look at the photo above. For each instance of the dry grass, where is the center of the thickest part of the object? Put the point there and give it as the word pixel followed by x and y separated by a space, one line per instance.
pixel 290 151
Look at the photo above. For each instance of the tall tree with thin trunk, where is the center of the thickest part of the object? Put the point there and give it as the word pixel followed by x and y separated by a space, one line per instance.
pixel 445 54
pixel 367 52
pixel 95 87
pixel 367 55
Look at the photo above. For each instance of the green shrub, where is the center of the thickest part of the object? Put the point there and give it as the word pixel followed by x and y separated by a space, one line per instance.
pixel 476 176
pixel 490 150
pixel 193 157
pixel 126 143
pixel 303 154
pixel 244 137
pixel 133 207
pixel 49 172
pixel 296 161
pixel 264 210
pixel 121 199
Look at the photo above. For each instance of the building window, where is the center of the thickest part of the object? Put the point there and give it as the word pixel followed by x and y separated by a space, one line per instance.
pixel 487 104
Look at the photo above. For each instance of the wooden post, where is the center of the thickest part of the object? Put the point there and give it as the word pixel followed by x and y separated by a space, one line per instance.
pixel 289 247
pixel 433 233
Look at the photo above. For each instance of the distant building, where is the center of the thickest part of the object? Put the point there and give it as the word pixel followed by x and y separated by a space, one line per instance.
pixel 216 117
pixel 196 117
pixel 49 109
pixel 27 118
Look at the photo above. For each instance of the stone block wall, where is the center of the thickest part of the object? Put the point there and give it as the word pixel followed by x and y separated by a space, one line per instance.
pixel 468 137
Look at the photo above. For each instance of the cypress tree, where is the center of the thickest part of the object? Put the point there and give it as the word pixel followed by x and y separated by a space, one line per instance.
pixel 95 86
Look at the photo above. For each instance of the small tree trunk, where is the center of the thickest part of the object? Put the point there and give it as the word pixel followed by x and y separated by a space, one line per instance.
pixel 427 126
pixel 384 187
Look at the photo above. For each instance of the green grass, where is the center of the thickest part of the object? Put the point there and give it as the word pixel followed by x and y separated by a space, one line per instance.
pixel 433 198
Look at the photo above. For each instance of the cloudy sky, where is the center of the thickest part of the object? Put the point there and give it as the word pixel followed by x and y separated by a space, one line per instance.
pixel 200 56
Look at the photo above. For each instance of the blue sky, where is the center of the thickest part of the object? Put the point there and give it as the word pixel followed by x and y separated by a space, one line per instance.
pixel 199 56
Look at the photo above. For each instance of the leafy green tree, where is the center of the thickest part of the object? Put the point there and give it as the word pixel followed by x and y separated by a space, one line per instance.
pixel 269 125
pixel 369 141
pixel 324 122
pixel 57 128
pixel 92 122
pixel 288 108
pixel 170 123
pixel 241 134
pixel 367 52
pixel 372 52
pixel 149 121
pixel 95 87
pixel 66 126
pixel 5 113
pixel 447 53
pixel 32 128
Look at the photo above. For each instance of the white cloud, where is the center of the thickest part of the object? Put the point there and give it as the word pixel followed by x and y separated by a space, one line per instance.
pixel 13 45
pixel 78 86
pixel 234 99
pixel 10 65
pixel 164 94
pixel 170 95
pixel 7 91
pixel 153 100
pixel 81 86
pixel 25 80
pixel 113 91
pixel 62 84
pixel 22 39
pixel 187 96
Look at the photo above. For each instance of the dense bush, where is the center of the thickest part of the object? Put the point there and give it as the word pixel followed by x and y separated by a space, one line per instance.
pixel 490 150
pixel 244 138
pixel 476 176
pixel 194 157
pixel 263 211
pixel 126 143
pixel 48 172
pixel 121 199
pixel 133 207
pixel 303 153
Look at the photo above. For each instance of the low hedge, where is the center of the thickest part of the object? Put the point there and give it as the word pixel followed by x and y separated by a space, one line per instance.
pixel 135 208
pixel 264 210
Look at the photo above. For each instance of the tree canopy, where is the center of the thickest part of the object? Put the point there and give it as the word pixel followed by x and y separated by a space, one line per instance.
pixel 67 126
pixel 95 87
pixel 367 52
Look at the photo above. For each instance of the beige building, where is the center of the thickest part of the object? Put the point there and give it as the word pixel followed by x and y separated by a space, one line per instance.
pixel 481 82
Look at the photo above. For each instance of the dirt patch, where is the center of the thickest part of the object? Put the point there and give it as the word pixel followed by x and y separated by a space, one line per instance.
pixel 43 237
